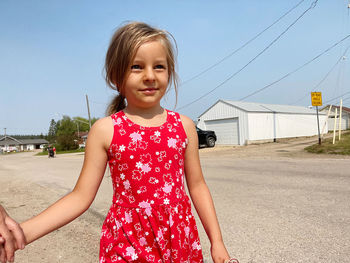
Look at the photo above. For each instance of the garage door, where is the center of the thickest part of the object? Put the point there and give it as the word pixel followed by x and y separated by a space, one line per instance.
pixel 226 130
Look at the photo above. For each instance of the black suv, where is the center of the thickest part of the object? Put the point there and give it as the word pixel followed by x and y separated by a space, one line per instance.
pixel 207 138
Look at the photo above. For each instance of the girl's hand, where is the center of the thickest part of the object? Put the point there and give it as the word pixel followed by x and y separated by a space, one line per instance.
pixel 219 253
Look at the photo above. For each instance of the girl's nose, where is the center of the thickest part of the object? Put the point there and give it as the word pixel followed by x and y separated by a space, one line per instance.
pixel 149 74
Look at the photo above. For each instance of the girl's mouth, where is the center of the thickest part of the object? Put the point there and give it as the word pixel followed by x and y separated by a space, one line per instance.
pixel 149 91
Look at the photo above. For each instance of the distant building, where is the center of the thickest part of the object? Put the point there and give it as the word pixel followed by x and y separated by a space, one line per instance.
pixel 239 123
pixel 82 138
pixel 9 144
pixel 345 122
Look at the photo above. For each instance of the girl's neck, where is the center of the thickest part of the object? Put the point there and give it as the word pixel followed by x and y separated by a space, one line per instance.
pixel 144 112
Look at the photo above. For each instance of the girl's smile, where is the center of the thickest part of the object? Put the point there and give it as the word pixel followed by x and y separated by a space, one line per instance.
pixel 148 76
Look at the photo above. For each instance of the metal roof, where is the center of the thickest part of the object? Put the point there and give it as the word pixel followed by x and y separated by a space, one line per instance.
pixel 262 107
pixel 8 140
pixel 344 109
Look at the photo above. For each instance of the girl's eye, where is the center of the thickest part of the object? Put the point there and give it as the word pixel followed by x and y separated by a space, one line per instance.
pixel 160 67
pixel 135 67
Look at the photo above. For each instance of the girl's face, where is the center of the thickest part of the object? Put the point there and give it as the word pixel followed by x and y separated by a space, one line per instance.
pixel 148 77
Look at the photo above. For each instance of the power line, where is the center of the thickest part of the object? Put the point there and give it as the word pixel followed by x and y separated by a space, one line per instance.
pixel 337 97
pixel 238 49
pixel 346 99
pixel 324 78
pixel 258 55
pixel 290 73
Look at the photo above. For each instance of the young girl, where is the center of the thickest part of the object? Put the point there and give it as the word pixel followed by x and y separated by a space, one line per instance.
pixel 150 150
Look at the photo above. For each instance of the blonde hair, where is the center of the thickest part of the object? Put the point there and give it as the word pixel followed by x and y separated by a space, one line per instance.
pixel 121 51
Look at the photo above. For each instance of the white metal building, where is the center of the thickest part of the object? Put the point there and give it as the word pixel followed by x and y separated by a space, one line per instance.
pixel 345 117
pixel 239 123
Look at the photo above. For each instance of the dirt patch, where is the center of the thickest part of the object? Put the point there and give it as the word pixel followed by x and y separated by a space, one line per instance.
pixel 288 147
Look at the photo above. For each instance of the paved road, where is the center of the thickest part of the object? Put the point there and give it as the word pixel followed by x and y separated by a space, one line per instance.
pixel 274 202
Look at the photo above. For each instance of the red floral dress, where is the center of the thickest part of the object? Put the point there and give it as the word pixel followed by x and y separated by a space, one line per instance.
pixel 150 219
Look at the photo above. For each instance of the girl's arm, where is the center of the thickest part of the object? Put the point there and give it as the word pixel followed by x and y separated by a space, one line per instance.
pixel 200 194
pixel 79 200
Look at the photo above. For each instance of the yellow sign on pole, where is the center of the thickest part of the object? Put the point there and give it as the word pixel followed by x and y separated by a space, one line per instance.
pixel 316 98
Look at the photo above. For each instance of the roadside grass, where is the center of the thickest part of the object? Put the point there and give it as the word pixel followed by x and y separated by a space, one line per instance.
pixel 63 152
pixel 327 146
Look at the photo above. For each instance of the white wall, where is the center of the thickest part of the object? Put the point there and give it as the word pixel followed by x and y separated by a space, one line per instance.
pixel 260 126
pixel 345 123
pixel 267 126
pixel 298 125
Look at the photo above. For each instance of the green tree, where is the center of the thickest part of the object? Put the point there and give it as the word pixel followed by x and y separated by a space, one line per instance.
pixel 65 137
pixel 83 123
pixel 51 136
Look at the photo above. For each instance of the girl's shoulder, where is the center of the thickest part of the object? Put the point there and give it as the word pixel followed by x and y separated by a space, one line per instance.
pixel 188 124
pixel 102 131
pixel 186 121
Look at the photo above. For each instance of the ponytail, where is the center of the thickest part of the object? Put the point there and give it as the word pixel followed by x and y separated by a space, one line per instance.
pixel 117 104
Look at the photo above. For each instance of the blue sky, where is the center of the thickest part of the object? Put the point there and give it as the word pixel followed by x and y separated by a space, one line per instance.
pixel 52 54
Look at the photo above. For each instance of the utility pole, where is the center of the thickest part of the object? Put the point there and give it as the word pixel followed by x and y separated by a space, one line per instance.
pixel 88 107
pixel 340 111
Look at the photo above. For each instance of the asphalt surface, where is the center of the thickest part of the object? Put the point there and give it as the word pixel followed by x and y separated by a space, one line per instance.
pixel 275 203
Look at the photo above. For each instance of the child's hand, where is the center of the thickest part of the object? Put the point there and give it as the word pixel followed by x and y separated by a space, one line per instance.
pixel 11 237
pixel 219 253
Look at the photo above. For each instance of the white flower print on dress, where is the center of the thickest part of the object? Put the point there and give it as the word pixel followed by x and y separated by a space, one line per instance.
pixel 161 155
pixel 126 184
pixel 139 165
pixel 160 235
pixel 143 189
pixel 153 180
pixel 142 241
pixel 122 167
pixel 196 245
pixel 167 166
pixel 145 168
pixel 130 251
pixel 171 221
pixel 122 132
pixel 136 175
pixel 167 188
pixel 146 206
pixel 143 145
pixel 118 121
pixel 172 143
pixel 132 146
pixel 187 231
pixel 146 158
pixel 156 137
pixel 166 201
pixel 122 148
pixel 128 217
